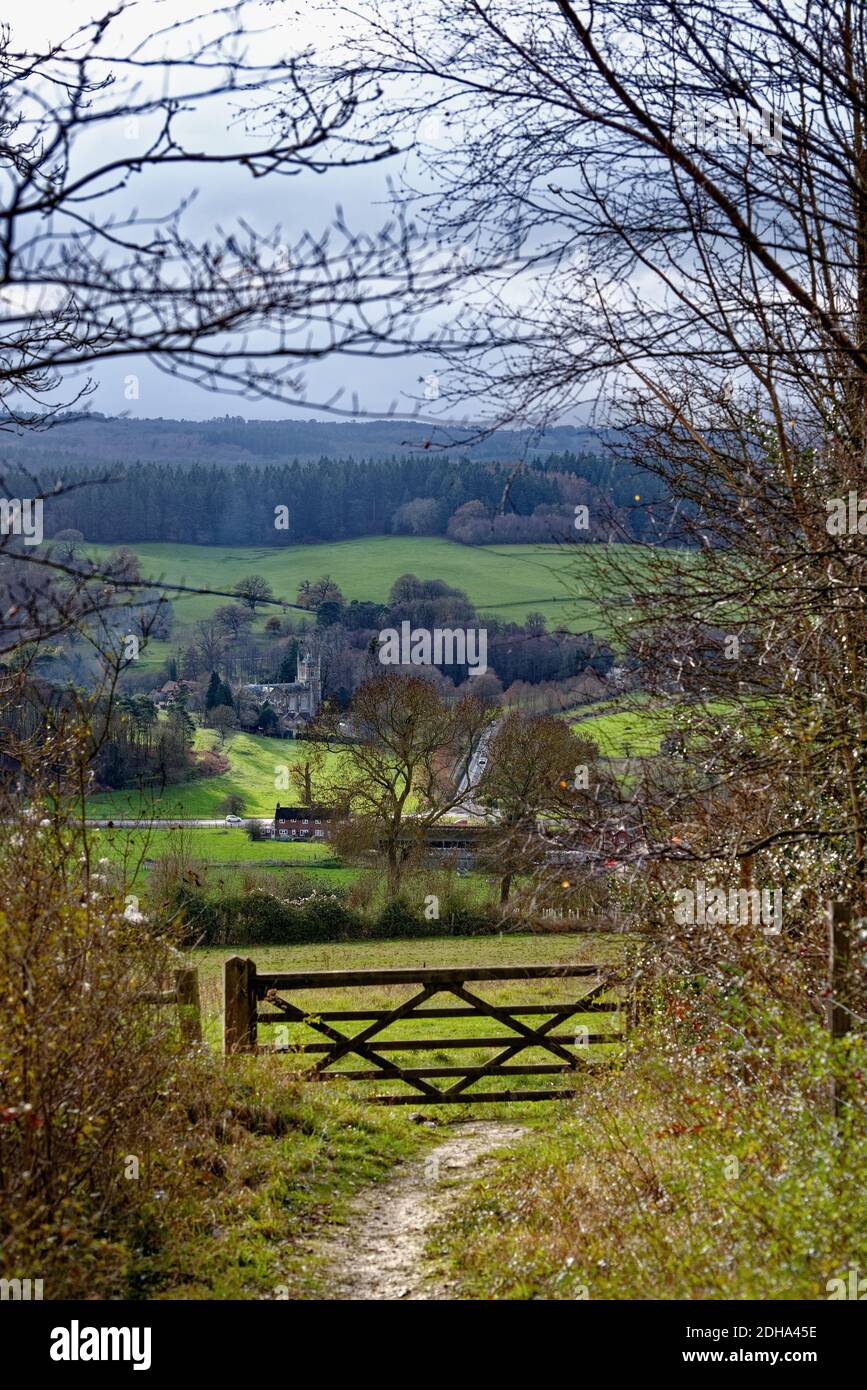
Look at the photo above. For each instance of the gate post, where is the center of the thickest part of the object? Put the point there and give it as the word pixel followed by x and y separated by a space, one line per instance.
pixel 837 1017
pixel 637 1006
pixel 239 1005
pixel 189 1011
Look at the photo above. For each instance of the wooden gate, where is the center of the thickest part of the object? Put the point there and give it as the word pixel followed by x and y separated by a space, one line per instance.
pixel 245 989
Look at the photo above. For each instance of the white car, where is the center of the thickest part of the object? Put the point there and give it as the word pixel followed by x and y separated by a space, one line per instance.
pixel 234 820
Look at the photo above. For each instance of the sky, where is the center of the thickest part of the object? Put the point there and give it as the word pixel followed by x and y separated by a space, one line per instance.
pixel 305 202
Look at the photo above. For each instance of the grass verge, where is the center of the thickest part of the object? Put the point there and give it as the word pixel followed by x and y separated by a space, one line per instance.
pixel 662 1182
pixel 271 1162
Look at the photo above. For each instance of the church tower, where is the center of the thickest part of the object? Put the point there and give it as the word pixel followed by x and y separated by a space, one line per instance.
pixel 310 675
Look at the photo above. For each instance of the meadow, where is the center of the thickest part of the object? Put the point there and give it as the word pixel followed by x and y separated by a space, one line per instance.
pixel 221 858
pixel 634 726
pixel 560 581
pixel 230 867
pixel 254 763
pixel 229 845
pixel 622 733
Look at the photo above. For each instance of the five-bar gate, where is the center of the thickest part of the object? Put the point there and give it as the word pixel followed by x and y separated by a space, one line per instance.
pixel 246 990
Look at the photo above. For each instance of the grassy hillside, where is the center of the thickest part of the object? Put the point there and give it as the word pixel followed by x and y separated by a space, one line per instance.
pixel 636 727
pixel 626 732
pixel 253 764
pixel 510 581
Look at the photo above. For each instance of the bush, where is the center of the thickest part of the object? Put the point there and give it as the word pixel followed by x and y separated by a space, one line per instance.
pixel 696 1172
pixel 131 1166
pixel 260 918
pixel 82 1059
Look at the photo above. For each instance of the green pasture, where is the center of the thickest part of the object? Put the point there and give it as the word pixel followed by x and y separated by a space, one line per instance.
pixel 226 860
pixel 636 726
pixel 253 765
pixel 624 733
pixel 221 857
pixel 210 845
pixel 563 582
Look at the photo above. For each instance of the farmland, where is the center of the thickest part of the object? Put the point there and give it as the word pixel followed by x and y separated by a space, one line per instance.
pixel 510 581
pixel 253 764
pixel 634 726
pixel 631 727
pixel 221 857
pixel 226 862
pixel 221 845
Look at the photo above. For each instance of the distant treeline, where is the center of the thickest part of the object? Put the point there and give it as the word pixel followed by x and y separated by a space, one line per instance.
pixel 470 499
pixel 231 439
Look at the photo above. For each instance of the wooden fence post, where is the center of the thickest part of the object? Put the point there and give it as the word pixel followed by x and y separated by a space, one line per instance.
pixel 637 1003
pixel 239 1005
pixel 837 1017
pixel 189 1009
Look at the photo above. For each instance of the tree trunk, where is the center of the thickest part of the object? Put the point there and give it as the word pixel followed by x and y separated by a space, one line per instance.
pixel 393 872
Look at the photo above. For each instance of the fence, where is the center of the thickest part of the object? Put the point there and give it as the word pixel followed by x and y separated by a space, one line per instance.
pixel 245 989
pixel 186 996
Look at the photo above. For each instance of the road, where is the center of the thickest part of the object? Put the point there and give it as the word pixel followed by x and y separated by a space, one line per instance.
pixel 473 770
pixel 116 824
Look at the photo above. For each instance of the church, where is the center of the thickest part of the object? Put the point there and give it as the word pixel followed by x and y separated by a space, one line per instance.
pixel 293 701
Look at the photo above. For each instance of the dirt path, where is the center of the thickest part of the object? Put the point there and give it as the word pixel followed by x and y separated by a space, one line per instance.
pixel 379 1254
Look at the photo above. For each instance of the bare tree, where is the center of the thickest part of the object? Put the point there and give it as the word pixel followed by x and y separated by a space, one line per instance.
pixel 210 643
pixel 530 774
pixel 102 262
pixel 97 120
pixel 234 619
pixel 399 775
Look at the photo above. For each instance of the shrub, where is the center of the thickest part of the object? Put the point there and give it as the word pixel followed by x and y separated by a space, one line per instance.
pixel 696 1172
pixel 82 1058
pixel 261 918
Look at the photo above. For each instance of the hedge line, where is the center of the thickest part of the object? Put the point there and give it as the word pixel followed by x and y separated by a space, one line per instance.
pixel 261 919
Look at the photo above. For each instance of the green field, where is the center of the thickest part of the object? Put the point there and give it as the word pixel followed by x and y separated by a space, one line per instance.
pixel 511 581
pixel 625 733
pixel 226 861
pixel 635 727
pixel 508 948
pixel 253 764
pixel 223 857
pixel 212 845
